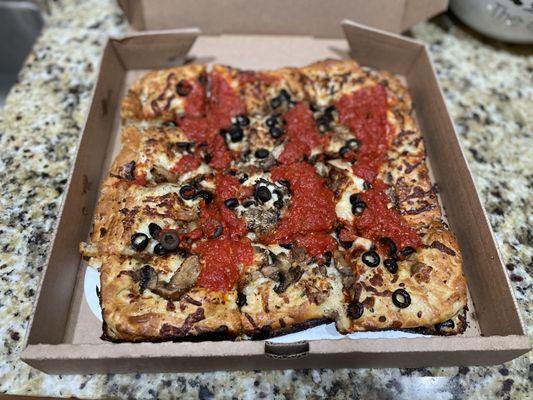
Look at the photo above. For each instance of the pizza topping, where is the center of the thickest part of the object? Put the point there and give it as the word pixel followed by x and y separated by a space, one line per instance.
pixel 222 259
pixel 355 310
pixel 147 278
pixel 139 241
pixel 169 240
pixel 242 120
pixel 187 192
pixel 183 88
pixel 261 153
pixel 276 132
pixel 262 194
pixel 444 326
pixel 185 164
pixel 388 244
pixel 378 220
pixel 391 265
pixel 312 207
pixel 371 258
pixel 159 250
pixel 205 195
pixel 236 133
pixel 232 202
pixel 401 298
pixel 365 113
pixel 407 251
pixel 302 134
pixel 155 230
pixel 183 279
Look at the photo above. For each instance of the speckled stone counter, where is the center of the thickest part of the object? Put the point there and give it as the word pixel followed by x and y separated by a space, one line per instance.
pixel 489 90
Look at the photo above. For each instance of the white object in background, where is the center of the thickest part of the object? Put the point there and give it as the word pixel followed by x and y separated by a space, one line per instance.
pixel 506 20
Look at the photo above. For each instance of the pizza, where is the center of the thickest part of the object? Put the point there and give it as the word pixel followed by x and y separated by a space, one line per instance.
pixel 248 204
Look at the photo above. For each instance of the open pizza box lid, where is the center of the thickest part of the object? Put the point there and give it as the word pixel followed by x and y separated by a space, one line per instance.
pixel 319 18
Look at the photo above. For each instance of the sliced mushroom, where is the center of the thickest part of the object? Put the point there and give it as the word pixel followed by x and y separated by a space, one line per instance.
pixel 182 280
pixel 282 272
pixel 147 278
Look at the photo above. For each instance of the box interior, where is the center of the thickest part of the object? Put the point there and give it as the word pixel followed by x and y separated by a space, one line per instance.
pixel 296 17
pixel 62 316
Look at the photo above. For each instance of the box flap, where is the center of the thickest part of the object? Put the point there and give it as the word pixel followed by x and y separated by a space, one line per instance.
pixel 296 17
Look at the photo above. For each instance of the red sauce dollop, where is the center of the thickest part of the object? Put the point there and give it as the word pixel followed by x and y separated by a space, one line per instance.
pixel 222 258
pixel 312 205
pixel 301 133
pixel 365 113
pixel 186 163
pixel 377 220
pixel 316 243
pixel 195 105
pixel 224 103
pixel 222 255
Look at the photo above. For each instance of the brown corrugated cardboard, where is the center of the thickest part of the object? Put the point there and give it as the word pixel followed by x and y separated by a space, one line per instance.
pixel 64 335
pixel 319 18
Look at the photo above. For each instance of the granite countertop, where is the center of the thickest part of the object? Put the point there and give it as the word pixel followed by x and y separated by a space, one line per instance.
pixel 489 91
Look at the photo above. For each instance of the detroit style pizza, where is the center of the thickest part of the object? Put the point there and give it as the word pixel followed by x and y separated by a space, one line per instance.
pixel 247 204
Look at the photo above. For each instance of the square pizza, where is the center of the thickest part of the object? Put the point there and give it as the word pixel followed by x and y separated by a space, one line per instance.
pixel 248 204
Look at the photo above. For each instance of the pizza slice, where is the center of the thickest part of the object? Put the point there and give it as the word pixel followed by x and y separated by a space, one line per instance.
pixel 159 154
pixel 165 95
pixel 159 298
pixel 133 220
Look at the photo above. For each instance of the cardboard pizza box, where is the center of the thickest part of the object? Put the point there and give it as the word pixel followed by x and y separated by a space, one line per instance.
pixel 64 334
pixel 318 18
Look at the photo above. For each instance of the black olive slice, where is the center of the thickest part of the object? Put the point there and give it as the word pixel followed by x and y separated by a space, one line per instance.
pixel 207 158
pixel 278 204
pixel 355 198
pixel 408 250
pixel 159 250
pixel 271 121
pixel 401 298
pixel 187 192
pixel 355 310
pixel 183 88
pixel 367 185
pixel 236 133
pixel 371 258
pixel 261 153
pixel 389 243
pixel 443 326
pixel 353 144
pixel 284 95
pixel 231 202
pixel 358 208
pixel 139 241
pixel 243 178
pixel 241 299
pixel 204 194
pixel 346 244
pixel 330 110
pixel 276 132
pixel 275 102
pixel 263 194
pixel 287 246
pixel 218 231
pixel 169 240
pixel 343 150
pixel 391 265
pixel 155 230
pixel 242 120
